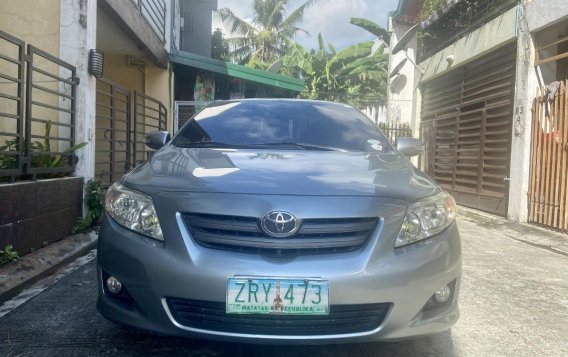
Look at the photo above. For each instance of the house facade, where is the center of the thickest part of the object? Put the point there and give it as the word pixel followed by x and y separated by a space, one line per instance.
pixel 201 79
pixel 81 83
pixel 132 40
pixel 476 73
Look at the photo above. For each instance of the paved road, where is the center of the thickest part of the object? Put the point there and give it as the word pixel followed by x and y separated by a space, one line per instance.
pixel 514 302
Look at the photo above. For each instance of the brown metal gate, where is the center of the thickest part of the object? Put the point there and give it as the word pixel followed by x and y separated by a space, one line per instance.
pixel 466 127
pixel 548 186
pixel 124 117
pixel 149 115
pixel 37 112
pixel 113 144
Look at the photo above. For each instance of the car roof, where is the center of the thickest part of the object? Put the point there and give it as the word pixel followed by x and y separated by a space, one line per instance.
pixel 282 100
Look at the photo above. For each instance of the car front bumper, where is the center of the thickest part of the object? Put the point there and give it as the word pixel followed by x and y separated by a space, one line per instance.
pixel 406 278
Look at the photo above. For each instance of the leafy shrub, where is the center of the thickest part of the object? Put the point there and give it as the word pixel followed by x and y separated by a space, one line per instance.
pixel 8 255
pixel 41 153
pixel 94 200
pixel 429 7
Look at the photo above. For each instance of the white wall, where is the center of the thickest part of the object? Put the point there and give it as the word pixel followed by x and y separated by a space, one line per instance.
pixel 543 13
pixel 532 16
pixel 495 33
pixel 401 88
pixel 78 34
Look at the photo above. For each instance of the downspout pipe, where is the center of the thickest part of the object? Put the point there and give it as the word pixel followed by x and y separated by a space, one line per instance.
pixel 142 67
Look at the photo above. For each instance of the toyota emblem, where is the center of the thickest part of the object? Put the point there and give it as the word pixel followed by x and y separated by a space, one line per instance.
pixel 279 224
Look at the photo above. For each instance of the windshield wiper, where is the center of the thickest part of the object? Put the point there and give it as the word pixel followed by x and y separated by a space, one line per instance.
pixel 208 144
pixel 304 146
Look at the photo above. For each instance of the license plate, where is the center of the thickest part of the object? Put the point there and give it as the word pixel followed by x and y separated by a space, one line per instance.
pixel 277 296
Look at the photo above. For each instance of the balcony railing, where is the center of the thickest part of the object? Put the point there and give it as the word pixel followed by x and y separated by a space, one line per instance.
pixel 37 112
pixel 154 12
pixel 441 30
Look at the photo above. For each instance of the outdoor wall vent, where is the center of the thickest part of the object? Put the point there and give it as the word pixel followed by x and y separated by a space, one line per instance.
pixel 96 59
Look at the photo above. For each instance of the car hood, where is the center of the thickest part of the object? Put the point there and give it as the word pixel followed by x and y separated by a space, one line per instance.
pixel 281 172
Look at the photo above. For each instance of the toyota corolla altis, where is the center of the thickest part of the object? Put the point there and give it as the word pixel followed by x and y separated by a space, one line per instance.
pixel 288 221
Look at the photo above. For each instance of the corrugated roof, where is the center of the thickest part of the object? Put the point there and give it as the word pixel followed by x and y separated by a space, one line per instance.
pixel 235 70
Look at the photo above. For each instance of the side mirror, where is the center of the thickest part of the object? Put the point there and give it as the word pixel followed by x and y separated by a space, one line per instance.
pixel 156 139
pixel 409 146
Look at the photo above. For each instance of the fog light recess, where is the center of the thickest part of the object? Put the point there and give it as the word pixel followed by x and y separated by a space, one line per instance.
pixel 114 286
pixel 443 294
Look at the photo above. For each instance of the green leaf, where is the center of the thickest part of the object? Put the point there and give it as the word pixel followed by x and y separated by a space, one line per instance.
pixel 350 54
pixel 332 49
pixel 77 147
pixel 372 27
pixel 55 161
pixel 320 43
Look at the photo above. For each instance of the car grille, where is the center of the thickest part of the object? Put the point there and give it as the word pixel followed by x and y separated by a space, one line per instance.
pixel 244 234
pixel 342 319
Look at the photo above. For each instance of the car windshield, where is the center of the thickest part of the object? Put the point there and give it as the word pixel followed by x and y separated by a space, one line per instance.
pixel 289 124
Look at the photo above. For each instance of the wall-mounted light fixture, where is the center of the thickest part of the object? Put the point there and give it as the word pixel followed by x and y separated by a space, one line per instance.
pixel 96 59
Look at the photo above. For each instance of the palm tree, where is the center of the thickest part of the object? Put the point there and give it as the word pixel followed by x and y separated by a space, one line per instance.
pixel 259 42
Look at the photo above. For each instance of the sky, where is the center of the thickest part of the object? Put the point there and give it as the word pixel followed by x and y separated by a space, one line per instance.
pixel 330 17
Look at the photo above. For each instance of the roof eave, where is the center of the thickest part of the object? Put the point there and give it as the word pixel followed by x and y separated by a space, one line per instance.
pixel 235 70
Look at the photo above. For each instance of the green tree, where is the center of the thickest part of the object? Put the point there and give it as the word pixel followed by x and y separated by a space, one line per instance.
pixel 219 46
pixel 355 75
pixel 263 40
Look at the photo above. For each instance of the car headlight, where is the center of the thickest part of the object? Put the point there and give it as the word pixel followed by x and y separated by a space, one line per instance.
pixel 133 210
pixel 427 217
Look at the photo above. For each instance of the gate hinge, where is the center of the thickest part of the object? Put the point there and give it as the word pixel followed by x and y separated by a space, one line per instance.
pixel 75 80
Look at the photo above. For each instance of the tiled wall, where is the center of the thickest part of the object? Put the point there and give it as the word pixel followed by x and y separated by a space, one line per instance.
pixel 33 214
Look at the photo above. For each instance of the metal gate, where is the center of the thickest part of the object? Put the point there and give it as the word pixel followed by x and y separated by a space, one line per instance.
pixel 124 117
pixel 37 112
pixel 548 185
pixel 112 138
pixel 149 115
pixel 466 127
pixel 184 110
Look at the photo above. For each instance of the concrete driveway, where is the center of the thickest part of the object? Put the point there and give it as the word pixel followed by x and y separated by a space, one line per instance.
pixel 514 302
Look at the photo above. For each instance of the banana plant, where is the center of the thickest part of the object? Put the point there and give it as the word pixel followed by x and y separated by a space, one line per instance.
pixel 356 74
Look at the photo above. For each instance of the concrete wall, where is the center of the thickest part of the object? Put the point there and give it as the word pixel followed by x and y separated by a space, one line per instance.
pixel 34 214
pixel 158 84
pixel 497 32
pixel 544 13
pixel 116 69
pixel 160 87
pixel 78 31
pixel 36 23
pixel 401 89
pixel 126 15
pixel 525 91
pixel 550 18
